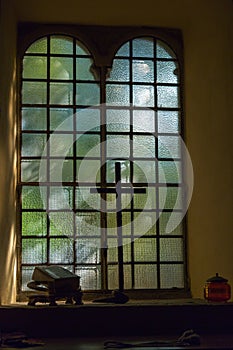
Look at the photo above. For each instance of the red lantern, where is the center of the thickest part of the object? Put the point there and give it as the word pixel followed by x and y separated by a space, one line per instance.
pixel 217 289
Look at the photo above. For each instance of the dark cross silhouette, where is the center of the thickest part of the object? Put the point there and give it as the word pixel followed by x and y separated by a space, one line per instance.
pixel 118 192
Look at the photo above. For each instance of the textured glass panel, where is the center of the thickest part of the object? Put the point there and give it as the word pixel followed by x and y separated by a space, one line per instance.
pixel 126 221
pixel 145 200
pixel 89 171
pixel 81 49
pixel 34 119
pixel 34 92
pixel 112 251
pixel 127 277
pixel 143 95
pixel 30 170
pixel 170 172
pixel 145 249
pixel 88 145
pixel 33 144
pixel 34 251
pixel 61 93
pixel 143 71
pixel 168 121
pixel 31 198
pixel 113 277
pixel 61 68
pixel 26 277
pixel 87 94
pixel 163 50
pixel 34 223
pixel 145 276
pixel 144 171
pixel 169 146
pixel 112 224
pixel 84 69
pixel 118 120
pixel 125 171
pixel 168 96
pixel 147 220
pixel 87 119
pixel 85 199
pixel 61 45
pixel 35 67
pixel 61 145
pixel 144 120
pixel 61 223
pixel 117 95
pixel 119 71
pixel 90 277
pixel 163 220
pixel 39 46
pixel 171 249
pixel 60 197
pixel 169 197
pixel 143 47
pixel 124 50
pixel 118 146
pixel 88 223
pixel 61 251
pixel 143 146
pixel 126 250
pixel 59 119
pixel 61 170
pixel 167 72
pixel 87 251
pixel 172 276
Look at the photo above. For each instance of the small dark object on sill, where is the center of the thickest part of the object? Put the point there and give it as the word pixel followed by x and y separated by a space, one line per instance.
pixel 117 297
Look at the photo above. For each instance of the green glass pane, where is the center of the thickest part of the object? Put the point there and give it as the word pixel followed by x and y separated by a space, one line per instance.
pixel 88 119
pixel 143 47
pixel 84 69
pixel 61 119
pixel 120 70
pixel 61 197
pixel 144 171
pixel 145 225
pixel 163 50
pixel 170 197
pixel 87 251
pixel 34 119
pixel 30 170
pixel 33 144
pixel 117 120
pixel 171 249
pixel 34 92
pixel 169 146
pixel 143 95
pixel 87 94
pixel 168 121
pixel 123 50
pixel 34 251
pixel 118 146
pixel 85 199
pixel 144 120
pixel 112 277
pixel 35 67
pixel 61 251
pixel 174 217
pixel 170 172
pixel 117 95
pixel 168 96
pixel 167 72
pixel 61 170
pixel 39 46
pixel 144 146
pixel 31 198
pixel 34 223
pixel 88 170
pixel 145 200
pixel 88 224
pixel 81 49
pixel 125 171
pixel 172 276
pixel 61 68
pixel 61 223
pixel 61 45
pixel 61 93
pixel 61 145
pixel 26 276
pixel 145 276
pixel 145 249
pixel 143 71
pixel 88 145
pixel 112 250
pixel 90 277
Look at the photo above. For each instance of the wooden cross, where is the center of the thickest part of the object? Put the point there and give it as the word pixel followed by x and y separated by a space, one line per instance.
pixel 118 191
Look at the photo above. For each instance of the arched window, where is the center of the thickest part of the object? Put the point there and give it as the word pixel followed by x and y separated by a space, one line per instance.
pixel 101 162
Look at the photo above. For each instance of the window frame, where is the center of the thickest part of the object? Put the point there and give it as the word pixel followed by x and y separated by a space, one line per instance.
pixel 103 43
